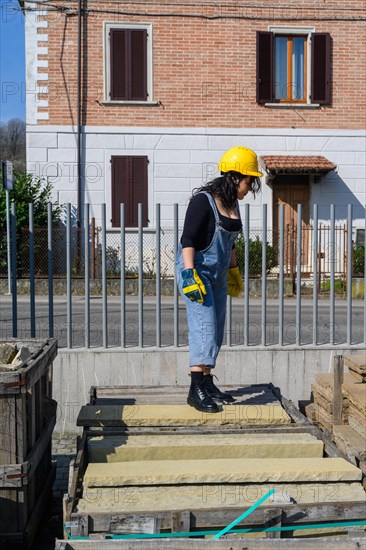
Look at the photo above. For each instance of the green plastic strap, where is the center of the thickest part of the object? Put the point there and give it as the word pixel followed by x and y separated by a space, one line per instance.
pixel 245 514
pixel 236 531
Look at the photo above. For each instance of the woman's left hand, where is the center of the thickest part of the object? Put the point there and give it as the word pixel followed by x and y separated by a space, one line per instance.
pixel 234 282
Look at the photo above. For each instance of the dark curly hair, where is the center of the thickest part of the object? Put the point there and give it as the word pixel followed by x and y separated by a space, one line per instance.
pixel 226 186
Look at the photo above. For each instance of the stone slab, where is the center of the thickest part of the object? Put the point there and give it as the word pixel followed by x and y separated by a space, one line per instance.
pixel 357 362
pixel 346 438
pixel 359 377
pixel 358 417
pixel 243 470
pixel 327 393
pixel 194 497
pixel 327 380
pixel 188 447
pixel 354 423
pixel 181 415
pixel 310 411
pixel 325 417
pixel 325 403
pixel 356 394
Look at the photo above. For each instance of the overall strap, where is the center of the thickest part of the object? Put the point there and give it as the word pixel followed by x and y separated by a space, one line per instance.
pixel 213 206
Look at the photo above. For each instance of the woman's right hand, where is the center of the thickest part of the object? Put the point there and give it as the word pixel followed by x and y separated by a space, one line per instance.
pixel 192 285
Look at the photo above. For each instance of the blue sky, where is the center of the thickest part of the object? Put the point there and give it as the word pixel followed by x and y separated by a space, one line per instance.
pixel 12 61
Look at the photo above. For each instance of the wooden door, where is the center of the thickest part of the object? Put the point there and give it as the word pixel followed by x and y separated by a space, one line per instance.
pixel 291 191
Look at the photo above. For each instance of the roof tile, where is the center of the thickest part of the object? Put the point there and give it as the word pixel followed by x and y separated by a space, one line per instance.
pixel 291 163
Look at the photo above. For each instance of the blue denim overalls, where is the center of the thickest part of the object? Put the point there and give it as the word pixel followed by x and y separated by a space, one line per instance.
pixel 206 321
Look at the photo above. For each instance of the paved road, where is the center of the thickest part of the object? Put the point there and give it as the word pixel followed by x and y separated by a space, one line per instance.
pixel 167 317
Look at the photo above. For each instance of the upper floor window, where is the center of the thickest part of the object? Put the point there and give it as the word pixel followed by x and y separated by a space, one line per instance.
pixel 128 62
pixel 293 67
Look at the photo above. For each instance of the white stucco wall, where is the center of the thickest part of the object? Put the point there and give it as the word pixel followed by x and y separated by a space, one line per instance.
pixel 181 159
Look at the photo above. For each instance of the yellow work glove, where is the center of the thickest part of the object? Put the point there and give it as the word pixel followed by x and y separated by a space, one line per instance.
pixel 193 286
pixel 234 282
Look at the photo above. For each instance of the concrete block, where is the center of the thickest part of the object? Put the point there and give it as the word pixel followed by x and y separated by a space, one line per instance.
pixel 62 155
pixel 217 470
pixel 345 144
pixel 148 141
pixel 119 368
pixel 66 141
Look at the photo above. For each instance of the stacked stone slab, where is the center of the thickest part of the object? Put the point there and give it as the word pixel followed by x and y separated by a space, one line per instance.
pixel 356 365
pixel 129 473
pixel 321 411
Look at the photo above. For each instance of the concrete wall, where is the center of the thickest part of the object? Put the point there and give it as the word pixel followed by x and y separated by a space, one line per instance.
pixel 293 370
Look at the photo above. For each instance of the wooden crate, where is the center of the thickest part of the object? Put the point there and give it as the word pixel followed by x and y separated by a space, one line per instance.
pixel 28 417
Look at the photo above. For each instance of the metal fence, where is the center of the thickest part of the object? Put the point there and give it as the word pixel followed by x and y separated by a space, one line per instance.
pixel 304 258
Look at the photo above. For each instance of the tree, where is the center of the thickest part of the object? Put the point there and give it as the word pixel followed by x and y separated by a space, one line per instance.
pixel 28 188
pixel 12 142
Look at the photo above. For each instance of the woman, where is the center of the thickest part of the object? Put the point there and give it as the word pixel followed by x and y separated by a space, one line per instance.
pixel 207 267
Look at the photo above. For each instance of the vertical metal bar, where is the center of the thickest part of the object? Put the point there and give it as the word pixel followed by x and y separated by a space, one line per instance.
pixel 246 274
pixel 31 274
pixel 87 275
pixel 298 274
pixel 176 303
pixel 8 245
pixel 281 281
pixel 264 274
pixel 364 287
pixel 123 276
pixel 332 276
pixel 229 321
pixel 68 276
pixel 104 277
pixel 50 270
pixel 14 269
pixel 315 275
pixel 158 276
pixel 140 277
pixel 349 276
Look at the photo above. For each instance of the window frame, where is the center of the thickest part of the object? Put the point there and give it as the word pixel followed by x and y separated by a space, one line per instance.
pixel 294 32
pixel 107 61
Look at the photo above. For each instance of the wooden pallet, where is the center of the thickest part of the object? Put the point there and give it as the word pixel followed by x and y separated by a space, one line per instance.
pixel 87 524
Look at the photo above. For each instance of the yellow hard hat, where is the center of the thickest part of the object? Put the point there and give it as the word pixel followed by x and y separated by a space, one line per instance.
pixel 240 159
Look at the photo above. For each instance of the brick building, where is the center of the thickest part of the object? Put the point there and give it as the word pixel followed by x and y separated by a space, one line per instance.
pixel 165 87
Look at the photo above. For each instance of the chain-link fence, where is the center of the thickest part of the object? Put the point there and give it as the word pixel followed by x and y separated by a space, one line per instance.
pixel 325 253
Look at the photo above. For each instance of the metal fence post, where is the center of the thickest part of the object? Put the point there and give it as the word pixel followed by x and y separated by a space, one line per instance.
pixel 158 276
pixel 246 274
pixel 86 276
pixel 14 269
pixel 176 303
pixel 141 275
pixel 104 277
pixel 298 274
pixel 123 275
pixel 264 275
pixel 68 276
pixel 281 281
pixel 31 274
pixel 332 275
pixel 315 276
pixel 50 270
pixel 349 275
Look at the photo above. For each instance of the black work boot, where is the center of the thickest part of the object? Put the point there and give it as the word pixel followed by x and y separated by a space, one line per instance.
pixel 200 399
pixel 214 392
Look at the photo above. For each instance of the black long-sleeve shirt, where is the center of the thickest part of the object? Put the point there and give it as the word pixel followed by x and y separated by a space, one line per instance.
pixel 199 224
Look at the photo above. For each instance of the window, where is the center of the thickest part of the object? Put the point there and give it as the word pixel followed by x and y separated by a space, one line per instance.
pixel 128 63
pixel 129 186
pixel 293 67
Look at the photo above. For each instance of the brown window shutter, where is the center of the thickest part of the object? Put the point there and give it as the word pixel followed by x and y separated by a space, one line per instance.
pixel 139 183
pixel 119 63
pixel 129 186
pixel 138 75
pixel 121 189
pixel 321 68
pixel 264 67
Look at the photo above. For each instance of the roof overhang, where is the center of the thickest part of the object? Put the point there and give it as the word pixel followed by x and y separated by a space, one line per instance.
pixel 293 164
